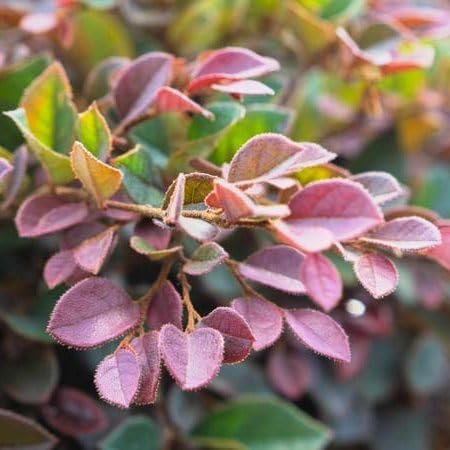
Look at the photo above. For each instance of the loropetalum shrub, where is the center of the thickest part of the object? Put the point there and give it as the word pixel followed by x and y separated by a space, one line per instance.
pixel 94 191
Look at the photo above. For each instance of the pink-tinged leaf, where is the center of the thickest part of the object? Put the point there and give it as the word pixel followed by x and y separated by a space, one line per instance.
pixel 264 318
pixel 20 162
pixel 441 253
pixel 168 99
pixel 5 169
pixel 91 313
pixel 39 23
pixel 176 202
pixel 341 206
pixel 377 273
pixel 74 413
pixel 165 307
pixel 43 214
pixel 382 186
pixel 319 332
pixel 322 280
pixel 269 155
pixel 309 240
pixel 244 87
pixel 198 229
pixel 289 373
pixel 205 258
pixel 138 83
pixel 118 377
pixel 148 355
pixel 193 359
pixel 59 268
pixel 156 235
pixel 284 183
pixel 91 254
pixel 235 330
pixel 360 347
pixel 228 64
pixel 74 236
pixel 278 267
pixel 406 233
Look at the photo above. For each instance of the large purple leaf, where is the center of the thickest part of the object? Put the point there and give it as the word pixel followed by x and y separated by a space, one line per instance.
pixel 205 258
pixel 148 355
pixel 59 267
pixel 118 377
pixel 176 201
pixel 43 214
pixel 382 186
pixel 278 266
pixel 165 306
pixel 264 318
pixel 377 273
pixel 341 206
pixel 268 156
pixel 406 233
pixel 322 280
pixel 193 359
pixel 235 331
pixel 139 82
pixel 319 332
pixel 91 313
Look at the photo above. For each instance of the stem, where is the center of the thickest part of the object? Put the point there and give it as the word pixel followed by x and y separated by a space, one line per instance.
pixel 193 315
pixel 246 288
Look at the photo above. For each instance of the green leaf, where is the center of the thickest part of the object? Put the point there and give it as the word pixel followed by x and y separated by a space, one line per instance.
pixel 134 433
pixel 258 119
pixel 265 424
pixel 341 11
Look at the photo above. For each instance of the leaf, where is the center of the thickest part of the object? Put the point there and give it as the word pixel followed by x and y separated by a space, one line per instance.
pixel 244 87
pixel 74 413
pixel 277 266
pixel 192 359
pixel 91 313
pixel 21 433
pixel 99 179
pixel 319 332
pixel 263 424
pixel 198 229
pixel 152 237
pixel 271 155
pixel 382 186
pixel 165 306
pixel 43 214
pixel 148 355
pixel 93 132
pixel 377 274
pixel 134 433
pixel 59 268
pixel 322 281
pixel 91 254
pixel 441 253
pixel 406 233
pixel 176 201
pixel 18 178
pixel 345 209
pixel 137 84
pixel 237 334
pixel 205 258
pixel 118 377
pixel 264 318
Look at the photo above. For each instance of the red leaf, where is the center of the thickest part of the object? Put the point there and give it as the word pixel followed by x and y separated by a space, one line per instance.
pixel 322 280
pixel 235 331
pixel 165 307
pixel 118 377
pixel 244 87
pixel 278 266
pixel 319 332
pixel 340 206
pixel 59 268
pixel 91 313
pixel 192 359
pixel 264 318
pixel 377 274
pixel 147 352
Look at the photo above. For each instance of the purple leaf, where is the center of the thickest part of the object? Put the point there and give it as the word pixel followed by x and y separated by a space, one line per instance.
pixel 322 280
pixel 118 377
pixel 244 87
pixel 267 156
pixel 198 229
pixel 176 202
pixel 92 253
pixel 165 307
pixel 235 331
pixel 91 313
pixel 74 236
pixel 43 214
pixel 264 318
pixel 382 186
pixel 406 233
pixel 138 83
pixel 278 267
pixel 340 206
pixel 5 169
pixel 377 273
pixel 59 268
pixel 193 359
pixel 20 162
pixel 155 235
pixel 319 332
pixel 148 355
pixel 441 253
pixel 205 258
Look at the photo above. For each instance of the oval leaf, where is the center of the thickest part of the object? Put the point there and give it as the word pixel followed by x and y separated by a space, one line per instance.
pixel 165 307
pixel 59 268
